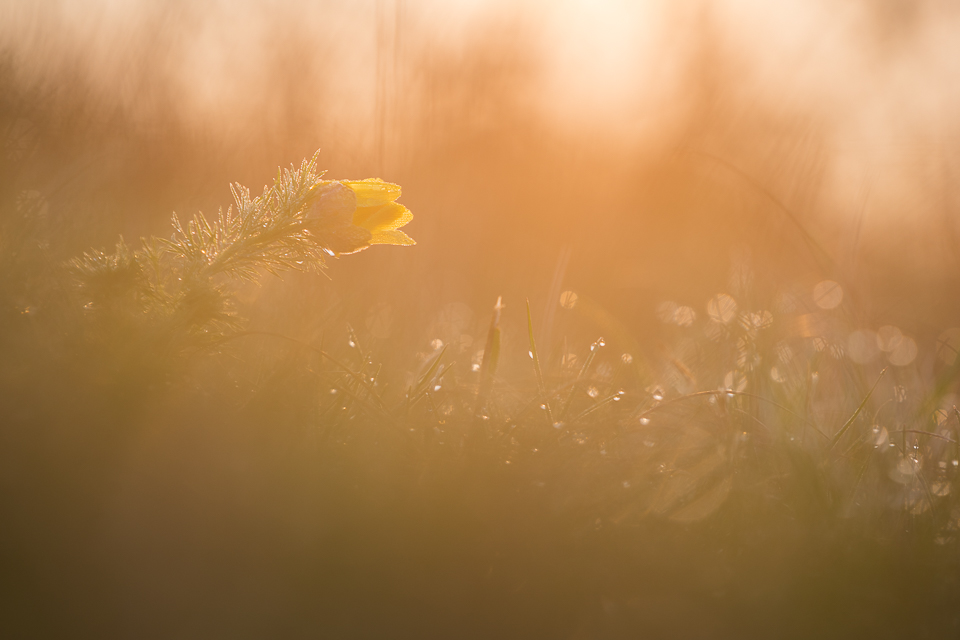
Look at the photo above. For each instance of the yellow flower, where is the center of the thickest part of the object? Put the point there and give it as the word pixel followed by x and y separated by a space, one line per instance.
pixel 349 216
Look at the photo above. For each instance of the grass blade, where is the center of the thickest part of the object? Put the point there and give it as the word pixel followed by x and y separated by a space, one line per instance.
pixel 849 422
pixel 536 365
pixel 491 358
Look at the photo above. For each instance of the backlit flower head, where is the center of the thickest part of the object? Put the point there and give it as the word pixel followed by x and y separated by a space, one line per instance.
pixel 350 215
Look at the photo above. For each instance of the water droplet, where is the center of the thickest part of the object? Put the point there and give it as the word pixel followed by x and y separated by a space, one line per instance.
pixel 649 443
pixel 644 421
pixel 956 463
pixel 880 436
pixel 626 358
pixel 908 466
pixel 601 343
pixel 530 353
pixel 543 406
pixel 948 345
pixel 684 316
pixel 558 425
pixel 940 489
pixel 475 367
pixel 351 343
pixel 721 308
pixel 616 398
pixel 626 484
pixel 904 353
pixel 568 299
pixel 436 344
pixel 333 392
pixel 437 387
pixel 888 338
pixel 827 294
pixel 592 392
pixel 658 394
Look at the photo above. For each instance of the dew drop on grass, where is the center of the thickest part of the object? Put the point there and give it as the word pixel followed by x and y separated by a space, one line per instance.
pixel 908 466
pixel 437 387
pixel 352 344
pixel 948 345
pixel 879 436
pixel 904 353
pixel 940 489
pixel 721 308
pixel 658 394
pixel 684 316
pixel 568 299
pixel 558 425
pixel 436 344
pixel 616 398
pixel 827 294
pixel 644 421
pixel 592 392
pixel 888 337
pixel 530 353
pixel 333 392
pixel 474 367
pixel 543 406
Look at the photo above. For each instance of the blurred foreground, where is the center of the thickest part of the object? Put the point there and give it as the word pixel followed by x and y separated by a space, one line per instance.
pixel 756 210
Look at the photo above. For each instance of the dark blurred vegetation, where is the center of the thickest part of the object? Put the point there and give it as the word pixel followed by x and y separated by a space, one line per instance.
pixel 256 489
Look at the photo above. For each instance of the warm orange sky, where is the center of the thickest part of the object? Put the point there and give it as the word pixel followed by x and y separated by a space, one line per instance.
pixel 542 119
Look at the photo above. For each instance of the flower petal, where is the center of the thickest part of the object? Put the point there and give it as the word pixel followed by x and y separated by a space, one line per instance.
pixel 392 236
pixel 334 206
pixel 343 240
pixel 373 191
pixel 383 218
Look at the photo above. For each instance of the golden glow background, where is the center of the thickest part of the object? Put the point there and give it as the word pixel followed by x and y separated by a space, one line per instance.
pixel 648 139
pixel 633 152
